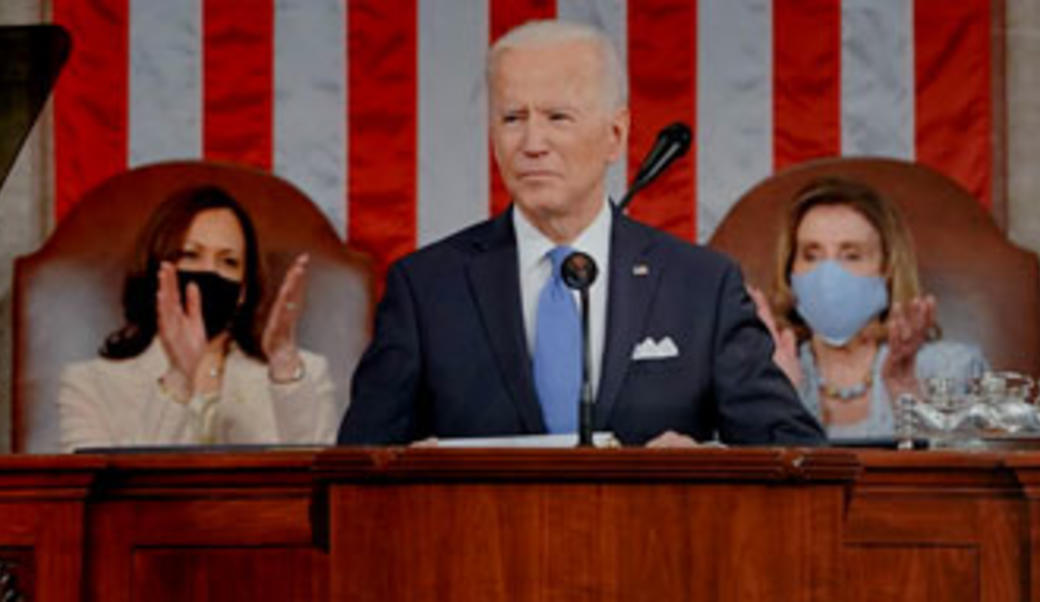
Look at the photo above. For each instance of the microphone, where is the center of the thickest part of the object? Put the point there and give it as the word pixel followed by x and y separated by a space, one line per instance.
pixel 672 142
pixel 578 272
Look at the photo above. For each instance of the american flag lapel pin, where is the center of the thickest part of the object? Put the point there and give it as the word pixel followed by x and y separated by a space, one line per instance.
pixel 640 269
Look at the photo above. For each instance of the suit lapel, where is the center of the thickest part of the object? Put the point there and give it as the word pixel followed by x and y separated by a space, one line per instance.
pixel 495 284
pixel 633 280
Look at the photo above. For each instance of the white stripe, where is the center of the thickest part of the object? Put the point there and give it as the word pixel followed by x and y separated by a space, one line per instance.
pixel 877 78
pixel 612 17
pixel 454 183
pixel 165 104
pixel 310 100
pixel 734 104
pixel 22 12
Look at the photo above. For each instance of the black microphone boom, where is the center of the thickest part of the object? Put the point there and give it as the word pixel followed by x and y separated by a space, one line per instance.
pixel 672 142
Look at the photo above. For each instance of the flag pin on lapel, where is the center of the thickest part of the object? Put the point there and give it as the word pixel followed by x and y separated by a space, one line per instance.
pixel 640 269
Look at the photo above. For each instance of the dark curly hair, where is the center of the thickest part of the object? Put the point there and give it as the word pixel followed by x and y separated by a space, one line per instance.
pixel 161 240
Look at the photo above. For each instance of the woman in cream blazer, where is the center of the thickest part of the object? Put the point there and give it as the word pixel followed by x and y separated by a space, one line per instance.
pixel 192 365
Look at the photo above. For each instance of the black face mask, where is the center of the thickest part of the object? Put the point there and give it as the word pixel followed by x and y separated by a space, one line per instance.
pixel 219 298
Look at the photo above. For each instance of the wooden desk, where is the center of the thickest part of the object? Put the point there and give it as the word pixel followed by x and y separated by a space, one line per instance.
pixel 41 524
pixel 161 527
pixel 941 526
pixel 355 524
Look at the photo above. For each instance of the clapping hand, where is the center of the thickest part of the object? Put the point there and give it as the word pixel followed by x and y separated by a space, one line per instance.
pixel 181 329
pixel 908 326
pixel 785 353
pixel 279 338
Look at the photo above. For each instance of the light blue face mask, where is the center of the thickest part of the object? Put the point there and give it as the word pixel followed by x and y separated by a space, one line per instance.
pixel 837 303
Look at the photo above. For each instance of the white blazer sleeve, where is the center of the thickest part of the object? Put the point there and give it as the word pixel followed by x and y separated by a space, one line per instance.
pixel 305 411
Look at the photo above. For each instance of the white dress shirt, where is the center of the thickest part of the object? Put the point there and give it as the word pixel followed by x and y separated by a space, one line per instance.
pixel 535 269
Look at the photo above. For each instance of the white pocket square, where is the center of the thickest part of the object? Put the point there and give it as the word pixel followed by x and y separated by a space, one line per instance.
pixel 649 350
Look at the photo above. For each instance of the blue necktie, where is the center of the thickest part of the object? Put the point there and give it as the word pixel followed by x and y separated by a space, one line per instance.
pixel 557 350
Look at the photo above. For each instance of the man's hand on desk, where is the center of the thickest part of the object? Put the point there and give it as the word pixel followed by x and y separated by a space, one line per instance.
pixel 672 439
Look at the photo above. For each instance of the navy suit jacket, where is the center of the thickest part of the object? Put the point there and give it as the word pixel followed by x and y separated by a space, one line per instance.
pixel 449 356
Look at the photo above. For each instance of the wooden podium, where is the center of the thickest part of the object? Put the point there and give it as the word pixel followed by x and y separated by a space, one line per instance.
pixel 626 524
pixel 438 524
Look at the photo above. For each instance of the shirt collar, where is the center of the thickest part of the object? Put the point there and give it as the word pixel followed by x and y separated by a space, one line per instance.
pixel 532 245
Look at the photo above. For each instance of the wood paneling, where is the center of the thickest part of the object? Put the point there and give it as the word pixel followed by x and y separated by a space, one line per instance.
pixel 906 574
pixel 937 526
pixel 589 525
pixel 41 517
pixel 204 527
pixel 629 524
pixel 228 574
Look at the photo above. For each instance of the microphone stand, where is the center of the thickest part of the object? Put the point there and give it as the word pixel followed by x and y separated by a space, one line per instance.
pixel 585 405
pixel 579 272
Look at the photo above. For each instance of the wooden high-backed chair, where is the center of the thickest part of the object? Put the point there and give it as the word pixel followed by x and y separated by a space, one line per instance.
pixel 67 295
pixel 988 289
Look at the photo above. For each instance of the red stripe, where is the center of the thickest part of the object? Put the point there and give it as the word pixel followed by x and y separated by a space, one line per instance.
pixel 953 112
pixel 383 121
pixel 238 59
pixel 806 80
pixel 663 91
pixel 505 15
pixel 90 100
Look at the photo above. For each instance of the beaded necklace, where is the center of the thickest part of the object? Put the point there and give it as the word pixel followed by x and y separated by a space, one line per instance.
pixel 847 393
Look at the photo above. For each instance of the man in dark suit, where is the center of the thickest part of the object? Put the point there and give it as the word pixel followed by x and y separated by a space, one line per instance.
pixel 476 335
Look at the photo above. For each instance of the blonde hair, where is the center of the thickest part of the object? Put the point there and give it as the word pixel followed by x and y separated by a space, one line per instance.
pixel 551 31
pixel 898 262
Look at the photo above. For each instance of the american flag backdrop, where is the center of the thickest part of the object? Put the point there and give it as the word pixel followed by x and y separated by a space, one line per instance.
pixel 376 108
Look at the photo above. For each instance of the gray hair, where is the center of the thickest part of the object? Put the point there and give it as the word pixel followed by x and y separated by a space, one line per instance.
pixel 551 31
